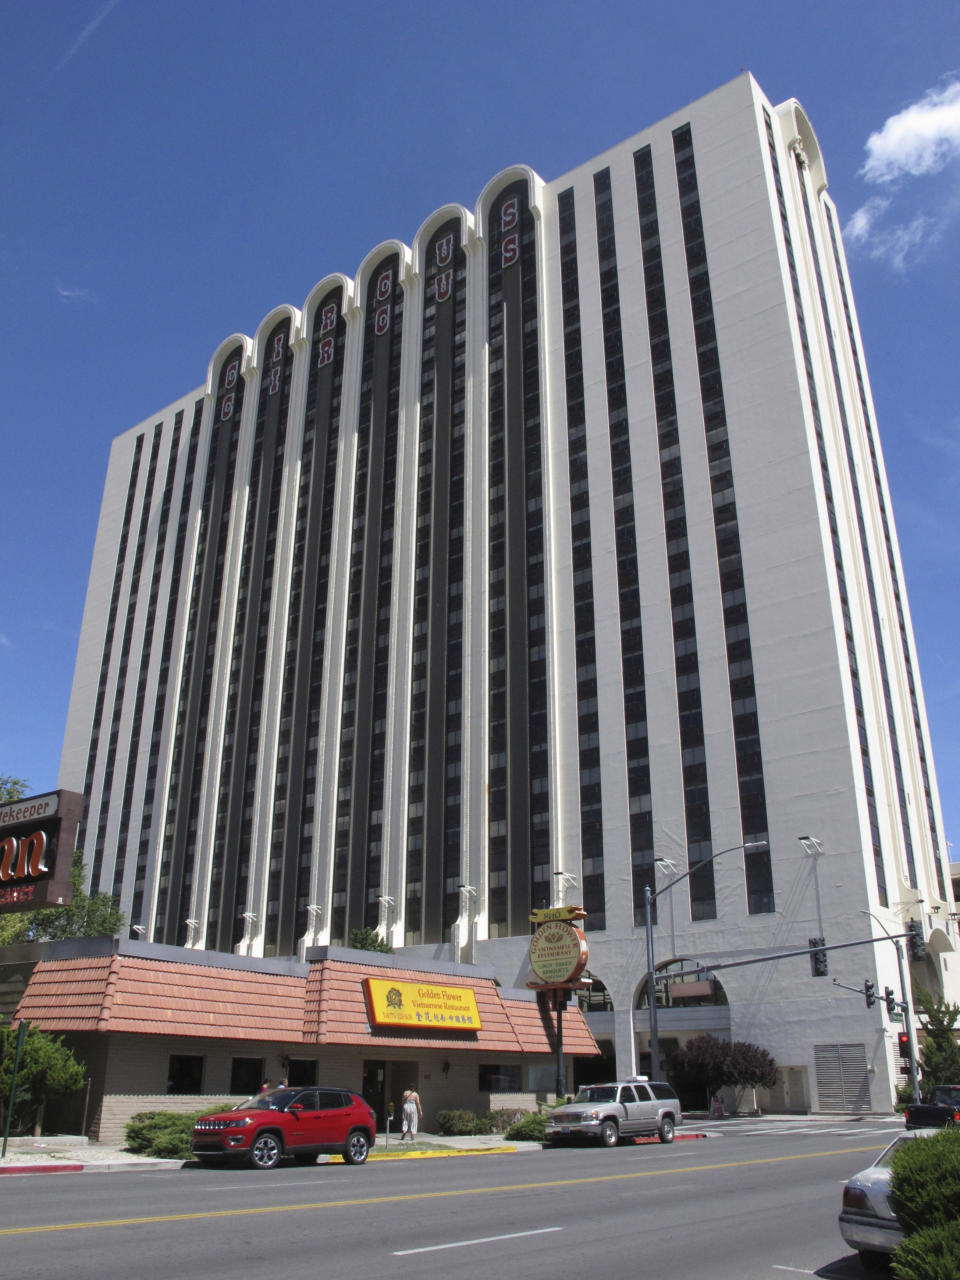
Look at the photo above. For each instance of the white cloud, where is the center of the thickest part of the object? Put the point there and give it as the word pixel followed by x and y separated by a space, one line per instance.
pixel 5 641
pixel 75 295
pixel 860 225
pixel 918 140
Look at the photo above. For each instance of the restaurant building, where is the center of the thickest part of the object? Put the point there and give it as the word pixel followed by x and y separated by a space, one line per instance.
pixel 161 1028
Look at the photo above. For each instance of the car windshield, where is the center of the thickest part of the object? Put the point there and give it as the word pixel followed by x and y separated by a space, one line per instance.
pixel 275 1100
pixel 598 1093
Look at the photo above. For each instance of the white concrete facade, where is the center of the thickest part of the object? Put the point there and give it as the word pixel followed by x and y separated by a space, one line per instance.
pixel 826 636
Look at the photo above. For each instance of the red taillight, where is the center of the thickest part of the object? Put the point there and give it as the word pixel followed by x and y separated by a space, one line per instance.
pixel 856 1198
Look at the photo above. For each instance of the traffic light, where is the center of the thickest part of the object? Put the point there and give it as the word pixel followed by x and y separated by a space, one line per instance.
pixel 890 996
pixel 870 993
pixel 915 942
pixel 818 957
pixel 903 1044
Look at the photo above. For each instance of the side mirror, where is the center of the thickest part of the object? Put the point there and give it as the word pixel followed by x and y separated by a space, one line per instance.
pixel 295 1106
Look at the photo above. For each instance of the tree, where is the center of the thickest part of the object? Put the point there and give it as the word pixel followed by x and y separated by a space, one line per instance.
pixel 367 939
pixel 702 1063
pixel 46 1070
pixel 11 788
pixel 750 1067
pixel 709 1063
pixel 98 916
pixel 939 1052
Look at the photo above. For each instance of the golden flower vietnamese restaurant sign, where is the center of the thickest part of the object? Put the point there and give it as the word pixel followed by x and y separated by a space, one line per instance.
pixel 421 1004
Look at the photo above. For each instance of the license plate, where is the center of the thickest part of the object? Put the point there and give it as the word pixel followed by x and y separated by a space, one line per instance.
pixel 565 1128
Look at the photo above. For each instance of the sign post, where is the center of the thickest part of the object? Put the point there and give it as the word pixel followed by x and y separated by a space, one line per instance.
pixel 558 956
pixel 21 1036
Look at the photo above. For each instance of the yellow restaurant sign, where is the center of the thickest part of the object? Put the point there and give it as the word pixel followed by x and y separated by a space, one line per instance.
pixel 542 914
pixel 421 1004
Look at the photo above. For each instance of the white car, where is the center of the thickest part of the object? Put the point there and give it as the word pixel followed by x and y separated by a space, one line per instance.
pixel 867 1223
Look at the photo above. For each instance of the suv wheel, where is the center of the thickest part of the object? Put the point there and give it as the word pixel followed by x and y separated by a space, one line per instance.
pixel 266 1151
pixel 357 1148
pixel 609 1133
pixel 667 1129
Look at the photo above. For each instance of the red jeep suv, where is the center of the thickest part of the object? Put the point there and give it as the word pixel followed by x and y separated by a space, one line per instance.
pixel 297 1122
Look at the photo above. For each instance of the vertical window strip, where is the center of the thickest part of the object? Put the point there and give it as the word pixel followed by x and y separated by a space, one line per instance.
pixel 132 747
pixel 625 536
pixel 357 851
pixel 435 733
pixel 120 685
pixel 518 778
pixel 233 826
pixel 702 890
pixel 870 431
pixel 298 739
pixel 107 652
pixel 588 721
pixel 801 166
pixel 196 682
pixel 153 758
pixel 879 871
pixel 743 696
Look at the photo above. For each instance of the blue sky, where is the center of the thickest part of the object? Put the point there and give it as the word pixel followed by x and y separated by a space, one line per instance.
pixel 172 172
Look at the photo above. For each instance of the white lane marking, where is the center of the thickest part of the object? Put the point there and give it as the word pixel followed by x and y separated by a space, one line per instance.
pixel 462 1244
pixel 798 1270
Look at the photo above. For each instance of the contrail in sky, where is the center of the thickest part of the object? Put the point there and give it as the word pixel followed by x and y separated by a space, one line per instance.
pixel 85 35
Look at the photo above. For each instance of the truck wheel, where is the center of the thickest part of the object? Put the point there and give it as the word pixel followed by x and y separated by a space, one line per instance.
pixel 667 1129
pixel 609 1133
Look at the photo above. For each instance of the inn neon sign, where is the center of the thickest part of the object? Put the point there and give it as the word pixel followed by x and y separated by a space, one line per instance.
pixel 37 838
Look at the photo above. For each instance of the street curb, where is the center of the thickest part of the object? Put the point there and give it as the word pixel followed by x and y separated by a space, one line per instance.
pixel 41 1168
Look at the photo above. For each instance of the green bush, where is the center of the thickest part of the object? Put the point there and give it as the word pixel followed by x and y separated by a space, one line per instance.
pixel 464 1122
pixel 930 1254
pixel 166 1135
pixel 925 1182
pixel 532 1128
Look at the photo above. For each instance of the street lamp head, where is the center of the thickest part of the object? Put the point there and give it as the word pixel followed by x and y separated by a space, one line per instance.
pixel 754 846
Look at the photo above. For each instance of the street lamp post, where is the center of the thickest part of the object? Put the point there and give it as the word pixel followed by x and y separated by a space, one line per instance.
pixel 906 1002
pixel 752 846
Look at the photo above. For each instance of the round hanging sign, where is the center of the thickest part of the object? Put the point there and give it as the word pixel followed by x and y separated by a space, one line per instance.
pixel 558 952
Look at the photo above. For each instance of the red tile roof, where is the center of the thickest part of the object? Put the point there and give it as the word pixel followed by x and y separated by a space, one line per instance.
pixel 151 997
pixel 124 993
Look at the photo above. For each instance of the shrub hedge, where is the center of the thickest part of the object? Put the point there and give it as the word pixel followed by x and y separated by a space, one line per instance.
pixel 531 1128
pixel 464 1122
pixel 166 1135
pixel 925 1182
pixel 925 1196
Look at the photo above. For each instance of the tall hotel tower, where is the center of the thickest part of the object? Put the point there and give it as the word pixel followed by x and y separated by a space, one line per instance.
pixel 544 561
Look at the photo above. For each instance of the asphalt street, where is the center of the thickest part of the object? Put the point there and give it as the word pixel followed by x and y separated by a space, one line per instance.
pixel 760 1203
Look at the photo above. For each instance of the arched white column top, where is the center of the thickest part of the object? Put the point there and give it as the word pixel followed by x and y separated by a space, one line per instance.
pixel 272 318
pixel 797 130
pixel 430 225
pixel 515 173
pixel 221 353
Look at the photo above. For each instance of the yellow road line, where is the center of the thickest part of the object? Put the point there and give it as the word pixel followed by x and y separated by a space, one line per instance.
pixel 423 1195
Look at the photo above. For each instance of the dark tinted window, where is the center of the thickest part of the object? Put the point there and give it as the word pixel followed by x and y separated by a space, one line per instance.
pixel 308 1100
pixel 331 1099
pixel 627 1094
pixel 663 1091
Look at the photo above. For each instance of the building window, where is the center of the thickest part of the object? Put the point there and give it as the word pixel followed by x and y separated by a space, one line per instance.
pixel 246 1075
pixel 185 1073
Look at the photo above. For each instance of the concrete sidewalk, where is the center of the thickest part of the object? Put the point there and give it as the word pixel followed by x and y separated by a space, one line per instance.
pixel 71 1154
